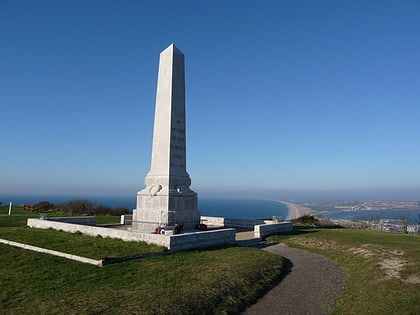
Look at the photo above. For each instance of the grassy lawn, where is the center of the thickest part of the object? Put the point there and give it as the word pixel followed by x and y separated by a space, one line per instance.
pixel 13 228
pixel 383 269
pixel 219 281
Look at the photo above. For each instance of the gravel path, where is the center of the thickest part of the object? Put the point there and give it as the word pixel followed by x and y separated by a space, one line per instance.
pixel 310 285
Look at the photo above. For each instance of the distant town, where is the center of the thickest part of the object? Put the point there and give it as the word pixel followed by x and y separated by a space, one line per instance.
pixel 363 205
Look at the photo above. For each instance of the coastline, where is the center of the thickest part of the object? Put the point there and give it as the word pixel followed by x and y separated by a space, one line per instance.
pixel 295 211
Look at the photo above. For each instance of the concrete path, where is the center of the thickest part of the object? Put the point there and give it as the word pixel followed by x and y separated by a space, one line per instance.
pixel 310 285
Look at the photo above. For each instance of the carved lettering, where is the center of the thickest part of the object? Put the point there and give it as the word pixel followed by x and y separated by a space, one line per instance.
pixel 177 147
pixel 179 130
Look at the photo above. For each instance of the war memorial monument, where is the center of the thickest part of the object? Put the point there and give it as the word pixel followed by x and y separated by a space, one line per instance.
pixel 167 198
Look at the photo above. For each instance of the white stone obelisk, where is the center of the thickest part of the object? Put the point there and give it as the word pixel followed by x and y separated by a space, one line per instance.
pixel 167 198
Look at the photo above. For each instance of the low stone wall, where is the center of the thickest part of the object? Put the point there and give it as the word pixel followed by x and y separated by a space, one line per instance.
pixel 161 240
pixel 177 242
pixel 126 219
pixel 264 230
pixel 242 223
pixel 214 221
pixel 230 223
pixel 225 237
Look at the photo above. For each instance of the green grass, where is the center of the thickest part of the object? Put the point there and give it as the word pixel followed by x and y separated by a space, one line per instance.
pixel 198 282
pixel 13 228
pixel 219 281
pixel 107 219
pixel 76 243
pixel 370 287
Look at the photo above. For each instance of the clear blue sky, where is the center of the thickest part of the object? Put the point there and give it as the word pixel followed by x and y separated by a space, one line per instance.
pixel 284 98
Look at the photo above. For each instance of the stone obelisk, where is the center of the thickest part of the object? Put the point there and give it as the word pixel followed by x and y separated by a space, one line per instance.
pixel 167 198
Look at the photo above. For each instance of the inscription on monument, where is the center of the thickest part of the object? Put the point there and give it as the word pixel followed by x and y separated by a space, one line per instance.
pixel 178 147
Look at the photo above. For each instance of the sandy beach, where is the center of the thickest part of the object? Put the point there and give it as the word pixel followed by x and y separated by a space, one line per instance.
pixel 295 211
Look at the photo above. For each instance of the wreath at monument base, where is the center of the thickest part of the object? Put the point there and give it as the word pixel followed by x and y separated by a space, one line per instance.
pixel 169 229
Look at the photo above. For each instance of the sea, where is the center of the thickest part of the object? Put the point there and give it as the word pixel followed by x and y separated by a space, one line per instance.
pixel 223 207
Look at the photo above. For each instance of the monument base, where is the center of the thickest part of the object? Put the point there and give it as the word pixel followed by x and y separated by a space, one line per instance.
pixel 153 211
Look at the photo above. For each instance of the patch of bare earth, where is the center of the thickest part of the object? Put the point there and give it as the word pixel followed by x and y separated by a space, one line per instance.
pixel 391 262
pixel 245 235
pixel 315 243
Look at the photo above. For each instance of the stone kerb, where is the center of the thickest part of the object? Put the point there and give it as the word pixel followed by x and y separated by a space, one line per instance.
pixel 263 230
pixel 53 252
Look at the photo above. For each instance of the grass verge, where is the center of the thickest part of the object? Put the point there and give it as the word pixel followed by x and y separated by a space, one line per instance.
pixel 382 268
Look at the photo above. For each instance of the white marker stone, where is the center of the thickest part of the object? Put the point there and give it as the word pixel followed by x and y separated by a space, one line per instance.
pixel 167 198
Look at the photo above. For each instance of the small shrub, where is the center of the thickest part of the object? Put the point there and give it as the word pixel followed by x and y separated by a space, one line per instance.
pixel 306 219
pixel 79 207
pixel 43 206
